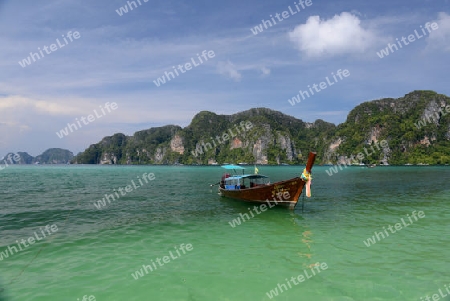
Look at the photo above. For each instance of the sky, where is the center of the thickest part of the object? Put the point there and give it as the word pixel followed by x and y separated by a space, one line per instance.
pixel 95 65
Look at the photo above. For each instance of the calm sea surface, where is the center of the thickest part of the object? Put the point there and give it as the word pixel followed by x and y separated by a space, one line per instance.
pixel 96 252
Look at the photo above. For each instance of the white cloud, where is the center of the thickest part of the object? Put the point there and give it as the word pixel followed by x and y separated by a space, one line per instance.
pixel 49 107
pixel 356 12
pixel 232 71
pixel 339 35
pixel 265 71
pixel 440 38
pixel 229 69
pixel 21 127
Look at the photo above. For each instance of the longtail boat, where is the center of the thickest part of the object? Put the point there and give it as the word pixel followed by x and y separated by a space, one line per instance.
pixel 257 188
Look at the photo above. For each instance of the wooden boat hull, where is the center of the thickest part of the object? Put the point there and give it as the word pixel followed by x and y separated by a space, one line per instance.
pixel 284 193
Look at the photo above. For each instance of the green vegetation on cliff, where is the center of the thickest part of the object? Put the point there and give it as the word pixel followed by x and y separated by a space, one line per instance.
pixel 276 138
pixel 272 138
pixel 397 121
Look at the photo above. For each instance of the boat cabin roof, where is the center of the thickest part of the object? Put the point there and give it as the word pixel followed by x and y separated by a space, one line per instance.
pixel 250 177
pixel 243 176
pixel 255 176
pixel 232 166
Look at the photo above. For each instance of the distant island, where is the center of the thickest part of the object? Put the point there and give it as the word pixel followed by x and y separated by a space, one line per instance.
pixel 50 156
pixel 411 130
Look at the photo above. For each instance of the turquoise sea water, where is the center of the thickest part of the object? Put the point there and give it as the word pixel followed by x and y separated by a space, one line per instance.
pixel 95 252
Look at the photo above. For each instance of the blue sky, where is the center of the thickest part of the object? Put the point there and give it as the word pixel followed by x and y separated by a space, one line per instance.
pixel 117 58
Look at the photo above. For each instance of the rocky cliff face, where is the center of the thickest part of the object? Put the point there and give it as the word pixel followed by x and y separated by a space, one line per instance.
pixel 285 144
pixel 176 145
pixel 259 136
pixel 415 127
pixel 108 158
pixel 407 124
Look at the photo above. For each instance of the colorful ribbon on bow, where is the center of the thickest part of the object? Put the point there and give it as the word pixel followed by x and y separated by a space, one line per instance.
pixel 306 176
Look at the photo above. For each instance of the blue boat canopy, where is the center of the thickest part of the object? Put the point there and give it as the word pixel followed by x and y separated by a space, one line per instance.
pixel 231 166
